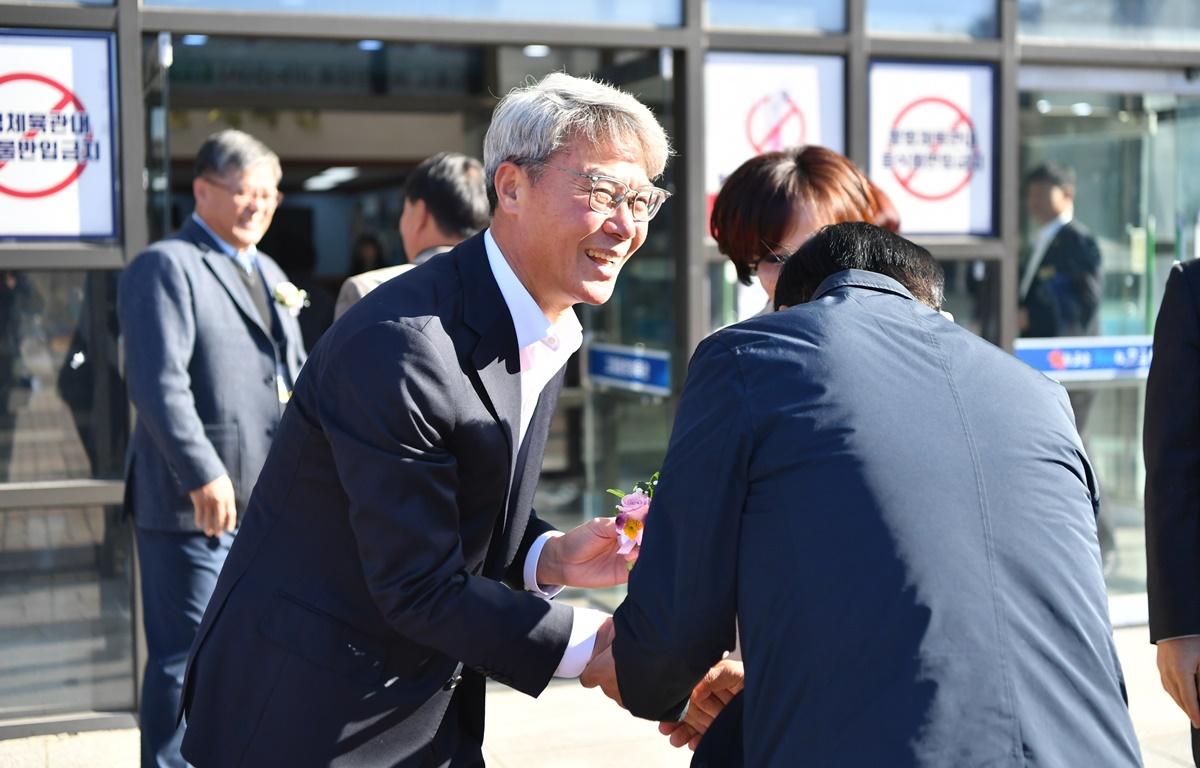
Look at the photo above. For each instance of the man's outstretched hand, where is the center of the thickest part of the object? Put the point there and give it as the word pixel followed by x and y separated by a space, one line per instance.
pixel 585 557
pixel 716 689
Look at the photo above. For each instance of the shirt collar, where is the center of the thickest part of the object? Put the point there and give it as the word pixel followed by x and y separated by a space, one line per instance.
pixel 860 278
pixel 429 253
pixel 1050 229
pixel 530 323
pixel 225 247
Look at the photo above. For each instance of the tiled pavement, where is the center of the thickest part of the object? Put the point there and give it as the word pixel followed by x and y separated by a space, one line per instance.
pixel 569 727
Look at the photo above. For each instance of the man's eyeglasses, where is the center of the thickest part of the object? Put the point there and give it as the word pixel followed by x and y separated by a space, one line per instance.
pixel 767 258
pixel 607 193
pixel 264 197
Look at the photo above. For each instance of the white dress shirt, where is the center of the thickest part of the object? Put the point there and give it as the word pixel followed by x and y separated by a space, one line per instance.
pixel 244 258
pixel 1045 236
pixel 544 348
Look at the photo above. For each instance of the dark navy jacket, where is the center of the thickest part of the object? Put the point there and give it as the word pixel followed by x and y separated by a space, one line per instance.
pixel 383 541
pixel 902 518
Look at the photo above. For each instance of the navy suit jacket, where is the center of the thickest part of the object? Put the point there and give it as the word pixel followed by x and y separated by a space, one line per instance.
pixel 384 545
pixel 902 518
pixel 1171 440
pixel 200 368
pixel 1064 296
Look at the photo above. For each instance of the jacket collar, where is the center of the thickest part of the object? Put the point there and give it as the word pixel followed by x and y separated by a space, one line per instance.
pixel 224 269
pixel 860 278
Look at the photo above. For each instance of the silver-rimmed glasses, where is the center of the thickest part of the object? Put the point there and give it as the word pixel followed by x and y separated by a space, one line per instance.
pixel 241 196
pixel 607 193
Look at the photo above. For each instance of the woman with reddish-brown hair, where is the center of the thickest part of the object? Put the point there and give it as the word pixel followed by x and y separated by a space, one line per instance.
pixel 773 202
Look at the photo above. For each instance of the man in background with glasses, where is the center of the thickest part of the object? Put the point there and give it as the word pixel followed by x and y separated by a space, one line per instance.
pixel 212 348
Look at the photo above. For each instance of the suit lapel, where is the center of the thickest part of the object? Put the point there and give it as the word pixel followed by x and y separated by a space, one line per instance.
pixel 292 337
pixel 495 359
pixel 223 268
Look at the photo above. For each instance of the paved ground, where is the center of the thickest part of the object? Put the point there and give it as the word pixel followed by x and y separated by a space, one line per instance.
pixel 569 727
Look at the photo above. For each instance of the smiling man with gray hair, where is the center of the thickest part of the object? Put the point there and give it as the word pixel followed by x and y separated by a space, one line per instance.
pixel 391 561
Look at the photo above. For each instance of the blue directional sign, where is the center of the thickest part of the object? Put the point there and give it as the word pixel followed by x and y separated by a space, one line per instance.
pixel 633 368
pixel 1088 358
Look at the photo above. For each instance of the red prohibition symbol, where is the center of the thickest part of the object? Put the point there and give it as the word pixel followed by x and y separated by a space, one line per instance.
pixel 958 119
pixel 775 122
pixel 65 97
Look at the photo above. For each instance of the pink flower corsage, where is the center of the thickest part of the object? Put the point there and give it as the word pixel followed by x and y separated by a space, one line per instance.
pixel 631 514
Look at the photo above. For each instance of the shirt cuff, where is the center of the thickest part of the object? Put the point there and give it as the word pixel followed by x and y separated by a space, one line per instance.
pixel 584 626
pixel 531 563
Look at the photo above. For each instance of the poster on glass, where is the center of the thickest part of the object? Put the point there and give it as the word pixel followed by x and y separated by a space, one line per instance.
pixel 57 149
pixel 932 144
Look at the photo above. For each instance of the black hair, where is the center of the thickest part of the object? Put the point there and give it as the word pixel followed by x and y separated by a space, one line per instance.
pixel 858 245
pixel 1053 174
pixel 451 186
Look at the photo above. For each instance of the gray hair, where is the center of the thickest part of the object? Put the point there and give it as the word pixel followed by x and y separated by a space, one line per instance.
pixel 229 151
pixel 533 122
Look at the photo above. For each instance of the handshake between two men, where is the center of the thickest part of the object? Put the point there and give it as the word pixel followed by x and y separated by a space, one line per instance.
pixel 590 556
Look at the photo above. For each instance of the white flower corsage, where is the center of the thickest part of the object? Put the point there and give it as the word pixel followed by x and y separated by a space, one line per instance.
pixel 291 298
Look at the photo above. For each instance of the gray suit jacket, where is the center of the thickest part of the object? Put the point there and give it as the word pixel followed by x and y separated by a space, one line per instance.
pixel 360 285
pixel 200 368
pixel 902 519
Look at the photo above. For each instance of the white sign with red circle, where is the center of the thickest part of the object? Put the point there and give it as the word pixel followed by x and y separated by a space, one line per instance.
pixel 931 144
pixel 56 138
pixel 756 103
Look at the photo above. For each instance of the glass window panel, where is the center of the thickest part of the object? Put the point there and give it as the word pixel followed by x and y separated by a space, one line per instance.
pixel 57 2
pixel 972 296
pixel 815 15
pixel 657 13
pixel 976 18
pixel 62 401
pixel 1131 153
pixel 1165 22
pixel 1128 153
pixel 65 587
pixel 1109 420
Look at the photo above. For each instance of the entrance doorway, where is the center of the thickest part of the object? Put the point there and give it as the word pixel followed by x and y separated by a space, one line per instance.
pixel 350 120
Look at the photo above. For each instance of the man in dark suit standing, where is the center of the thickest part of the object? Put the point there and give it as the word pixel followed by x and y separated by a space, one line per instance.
pixel 390 560
pixel 1061 285
pixel 211 350
pixel 911 559
pixel 1171 443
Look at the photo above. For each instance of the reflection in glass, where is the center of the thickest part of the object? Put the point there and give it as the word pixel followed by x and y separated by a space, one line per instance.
pixel 1167 22
pixel 976 18
pixel 1128 153
pixel 658 13
pixel 815 15
pixel 62 403
pixel 1132 155
pixel 65 586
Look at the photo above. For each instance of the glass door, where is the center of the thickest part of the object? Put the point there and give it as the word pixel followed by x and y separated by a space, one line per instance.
pixel 1106 167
